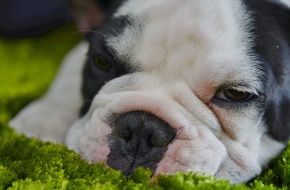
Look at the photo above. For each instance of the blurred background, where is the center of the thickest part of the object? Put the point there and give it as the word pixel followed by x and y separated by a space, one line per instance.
pixel 28 18
pixel 35 35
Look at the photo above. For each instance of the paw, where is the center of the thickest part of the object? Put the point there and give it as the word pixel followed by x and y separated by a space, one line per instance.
pixel 43 120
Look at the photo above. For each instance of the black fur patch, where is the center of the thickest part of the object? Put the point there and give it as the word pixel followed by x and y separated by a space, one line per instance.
pixel 109 6
pixel 94 78
pixel 271 35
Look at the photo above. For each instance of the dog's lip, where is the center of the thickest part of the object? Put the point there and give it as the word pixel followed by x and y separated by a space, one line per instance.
pixel 172 162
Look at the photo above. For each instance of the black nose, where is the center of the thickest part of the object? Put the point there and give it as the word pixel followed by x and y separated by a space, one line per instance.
pixel 138 139
pixel 143 127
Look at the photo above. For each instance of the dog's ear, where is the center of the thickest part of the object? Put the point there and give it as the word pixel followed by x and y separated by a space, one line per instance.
pixel 281 12
pixel 277 115
pixel 271 40
pixel 271 44
pixel 90 14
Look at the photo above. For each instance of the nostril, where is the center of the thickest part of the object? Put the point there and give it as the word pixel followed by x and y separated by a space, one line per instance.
pixel 144 128
pixel 123 132
pixel 162 137
pixel 124 126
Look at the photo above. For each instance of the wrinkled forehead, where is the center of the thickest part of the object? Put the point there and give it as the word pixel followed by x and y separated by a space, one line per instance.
pixel 186 36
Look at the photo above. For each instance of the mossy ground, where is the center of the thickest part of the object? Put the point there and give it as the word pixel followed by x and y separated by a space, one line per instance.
pixel 26 69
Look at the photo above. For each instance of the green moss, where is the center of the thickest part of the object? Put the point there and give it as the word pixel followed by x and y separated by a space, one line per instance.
pixel 26 69
pixel 27 66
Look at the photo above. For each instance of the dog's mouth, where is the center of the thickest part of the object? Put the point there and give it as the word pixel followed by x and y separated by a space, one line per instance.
pixel 140 130
pixel 145 130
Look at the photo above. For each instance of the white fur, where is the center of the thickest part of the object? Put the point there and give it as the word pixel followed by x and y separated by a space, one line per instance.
pixel 286 2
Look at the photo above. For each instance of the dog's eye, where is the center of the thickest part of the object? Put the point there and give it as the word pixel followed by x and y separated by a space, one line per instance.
pixel 234 95
pixel 102 64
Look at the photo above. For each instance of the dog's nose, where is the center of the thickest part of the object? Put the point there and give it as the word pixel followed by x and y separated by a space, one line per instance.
pixel 145 128
pixel 138 139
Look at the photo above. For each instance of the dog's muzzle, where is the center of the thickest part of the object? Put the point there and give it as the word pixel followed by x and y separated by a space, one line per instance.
pixel 138 139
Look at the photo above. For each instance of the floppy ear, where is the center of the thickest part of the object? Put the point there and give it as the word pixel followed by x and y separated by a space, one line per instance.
pixel 90 14
pixel 277 115
pixel 280 10
pixel 271 40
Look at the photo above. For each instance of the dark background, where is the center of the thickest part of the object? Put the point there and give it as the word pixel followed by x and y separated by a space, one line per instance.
pixel 27 18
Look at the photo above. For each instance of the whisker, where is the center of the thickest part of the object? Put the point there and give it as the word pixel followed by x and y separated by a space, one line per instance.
pixel 260 120
pixel 178 131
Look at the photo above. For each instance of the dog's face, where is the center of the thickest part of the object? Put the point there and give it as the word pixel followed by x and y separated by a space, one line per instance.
pixel 177 85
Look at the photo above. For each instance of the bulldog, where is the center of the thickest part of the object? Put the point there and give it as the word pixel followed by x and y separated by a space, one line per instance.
pixel 173 85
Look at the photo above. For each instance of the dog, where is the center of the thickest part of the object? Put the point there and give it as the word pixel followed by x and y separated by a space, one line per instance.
pixel 173 85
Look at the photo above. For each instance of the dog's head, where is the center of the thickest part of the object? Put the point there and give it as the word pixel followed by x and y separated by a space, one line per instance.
pixel 186 85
